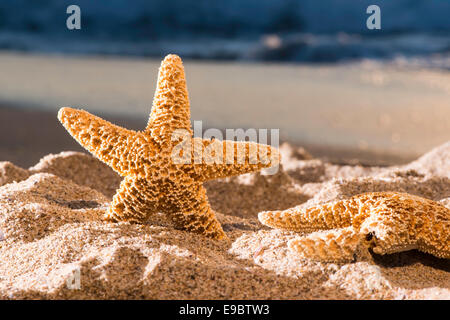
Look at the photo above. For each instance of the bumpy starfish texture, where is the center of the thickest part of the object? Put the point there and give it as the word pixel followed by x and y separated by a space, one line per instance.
pixel 164 166
pixel 386 222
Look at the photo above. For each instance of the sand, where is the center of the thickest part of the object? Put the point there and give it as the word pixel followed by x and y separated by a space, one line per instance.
pixel 54 245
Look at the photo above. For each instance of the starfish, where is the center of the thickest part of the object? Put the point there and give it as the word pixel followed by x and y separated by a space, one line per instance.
pixel 164 166
pixel 385 222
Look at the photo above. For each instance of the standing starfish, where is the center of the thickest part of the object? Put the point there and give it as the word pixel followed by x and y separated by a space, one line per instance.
pixel 387 222
pixel 157 177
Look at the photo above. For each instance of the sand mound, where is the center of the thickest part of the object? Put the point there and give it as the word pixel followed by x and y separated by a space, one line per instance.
pixel 81 169
pixel 54 244
pixel 10 173
pixel 436 162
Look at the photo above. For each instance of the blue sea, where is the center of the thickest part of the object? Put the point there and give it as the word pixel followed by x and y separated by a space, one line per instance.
pixel 299 31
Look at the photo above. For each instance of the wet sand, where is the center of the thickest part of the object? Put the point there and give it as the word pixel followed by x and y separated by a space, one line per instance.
pixel 26 135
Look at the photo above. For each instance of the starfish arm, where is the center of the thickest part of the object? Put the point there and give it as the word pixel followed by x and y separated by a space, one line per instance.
pixel 219 159
pixel 328 246
pixel 434 237
pixel 134 201
pixel 387 222
pixel 331 215
pixel 189 210
pixel 170 110
pixel 437 243
pixel 114 145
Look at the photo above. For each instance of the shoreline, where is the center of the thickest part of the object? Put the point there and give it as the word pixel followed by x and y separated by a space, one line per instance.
pixel 26 135
pixel 362 108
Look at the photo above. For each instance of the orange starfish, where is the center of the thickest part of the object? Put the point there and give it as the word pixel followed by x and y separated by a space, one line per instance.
pixel 386 222
pixel 164 167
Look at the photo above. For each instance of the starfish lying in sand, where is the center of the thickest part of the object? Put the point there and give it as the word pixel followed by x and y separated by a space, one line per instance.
pixel 161 166
pixel 386 222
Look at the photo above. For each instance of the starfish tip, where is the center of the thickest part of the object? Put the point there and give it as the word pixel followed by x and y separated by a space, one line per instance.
pixel 64 112
pixel 262 216
pixel 61 112
pixel 66 115
pixel 172 58
pixel 276 156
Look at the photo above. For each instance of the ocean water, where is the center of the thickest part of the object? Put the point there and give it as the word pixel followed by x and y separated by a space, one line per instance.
pixel 309 31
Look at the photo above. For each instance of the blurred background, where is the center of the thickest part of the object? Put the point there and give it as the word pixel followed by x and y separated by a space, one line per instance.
pixel 310 68
pixel 256 30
